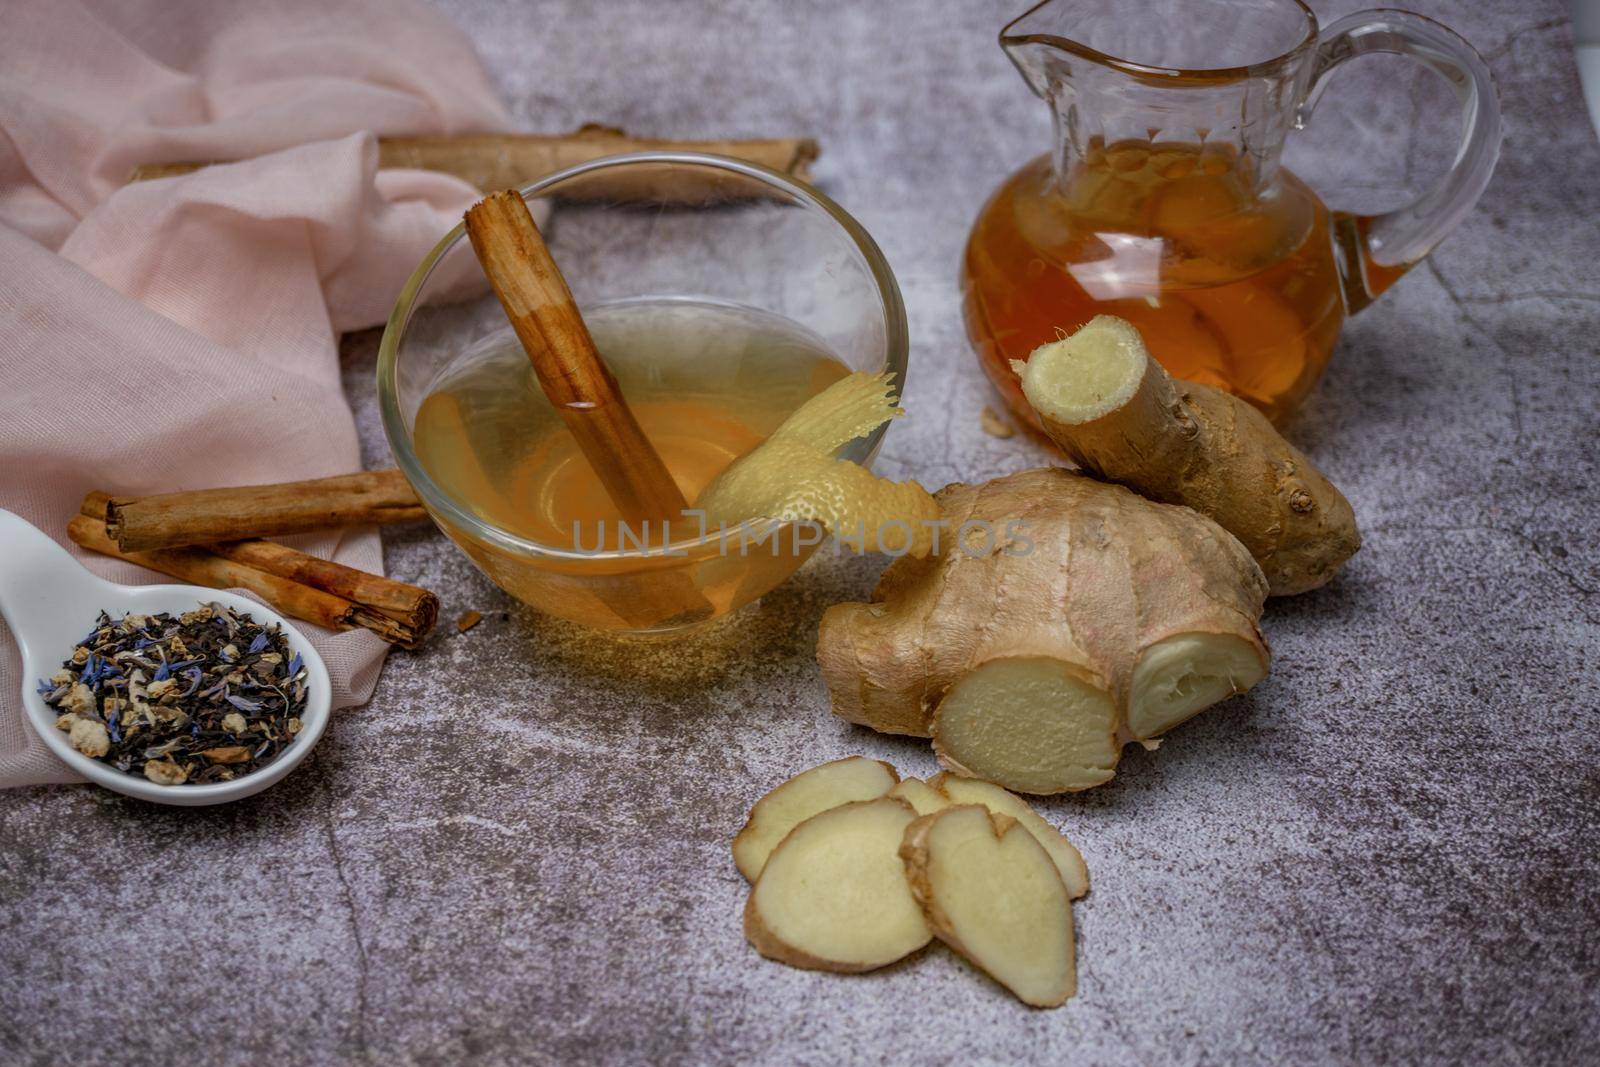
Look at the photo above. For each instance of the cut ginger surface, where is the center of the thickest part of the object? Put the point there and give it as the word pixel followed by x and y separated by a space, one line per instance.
pixel 833 895
pixel 991 892
pixel 799 798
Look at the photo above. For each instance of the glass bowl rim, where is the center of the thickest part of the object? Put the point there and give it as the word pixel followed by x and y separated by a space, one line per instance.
pixel 896 346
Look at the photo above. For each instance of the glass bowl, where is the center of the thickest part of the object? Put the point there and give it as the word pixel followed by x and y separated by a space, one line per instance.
pixel 649 226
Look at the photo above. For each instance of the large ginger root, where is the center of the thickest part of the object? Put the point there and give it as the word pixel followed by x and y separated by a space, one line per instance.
pixel 796 800
pixel 1091 617
pixel 833 894
pixel 1117 414
pixel 990 891
pixel 793 476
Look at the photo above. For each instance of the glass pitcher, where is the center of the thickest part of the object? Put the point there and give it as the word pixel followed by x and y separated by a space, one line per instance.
pixel 1164 201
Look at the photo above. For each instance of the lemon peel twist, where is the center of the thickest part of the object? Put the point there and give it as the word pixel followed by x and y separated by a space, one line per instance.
pixel 795 475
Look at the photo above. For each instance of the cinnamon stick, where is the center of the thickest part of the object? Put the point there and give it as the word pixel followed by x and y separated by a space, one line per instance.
pixel 507 160
pixel 577 381
pixel 207 516
pixel 411 605
pixel 200 566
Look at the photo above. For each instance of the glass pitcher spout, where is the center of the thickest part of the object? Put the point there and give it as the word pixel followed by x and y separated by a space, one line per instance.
pixel 1228 83
pixel 1163 198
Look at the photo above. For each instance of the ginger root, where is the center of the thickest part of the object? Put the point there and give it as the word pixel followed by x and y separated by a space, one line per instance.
pixel 1117 414
pixel 1100 618
pixel 990 891
pixel 794 475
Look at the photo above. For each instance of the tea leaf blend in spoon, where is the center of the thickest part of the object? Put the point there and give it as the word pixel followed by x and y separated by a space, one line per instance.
pixel 208 696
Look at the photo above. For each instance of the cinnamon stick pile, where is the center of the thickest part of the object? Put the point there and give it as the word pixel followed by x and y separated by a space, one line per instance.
pixel 212 537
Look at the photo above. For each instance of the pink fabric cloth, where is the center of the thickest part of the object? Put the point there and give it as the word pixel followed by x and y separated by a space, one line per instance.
pixel 183 333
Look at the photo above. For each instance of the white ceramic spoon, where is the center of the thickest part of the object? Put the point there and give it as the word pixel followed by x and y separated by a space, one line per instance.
pixel 50 602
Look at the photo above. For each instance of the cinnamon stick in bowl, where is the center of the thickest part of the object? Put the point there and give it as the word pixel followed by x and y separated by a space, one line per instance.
pixel 582 389
pixel 577 381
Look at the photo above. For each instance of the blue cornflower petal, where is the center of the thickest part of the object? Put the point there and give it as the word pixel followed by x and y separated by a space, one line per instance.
pixel 295 663
pixel 259 644
pixel 46 688
pixel 194 680
pixel 163 672
pixel 244 705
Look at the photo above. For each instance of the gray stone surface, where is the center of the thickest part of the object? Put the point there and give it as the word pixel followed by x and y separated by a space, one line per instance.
pixel 518 851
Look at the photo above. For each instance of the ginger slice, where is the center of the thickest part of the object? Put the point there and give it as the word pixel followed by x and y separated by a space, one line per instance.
pixel 804 795
pixel 1116 413
pixel 793 476
pixel 1029 723
pixel 833 895
pixel 991 892
pixel 1184 674
pixel 1068 860
pixel 922 796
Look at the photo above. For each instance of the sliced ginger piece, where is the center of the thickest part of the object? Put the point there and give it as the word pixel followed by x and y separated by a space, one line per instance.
pixel 1116 413
pixel 833 895
pixel 922 796
pixel 991 892
pixel 794 476
pixel 1032 724
pixel 1184 674
pixel 804 795
pixel 1068 860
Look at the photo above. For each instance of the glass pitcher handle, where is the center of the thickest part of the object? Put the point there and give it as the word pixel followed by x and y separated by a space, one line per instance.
pixel 1375 250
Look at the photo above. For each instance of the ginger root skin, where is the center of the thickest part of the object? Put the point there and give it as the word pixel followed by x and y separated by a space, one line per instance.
pixel 1116 413
pixel 1038 639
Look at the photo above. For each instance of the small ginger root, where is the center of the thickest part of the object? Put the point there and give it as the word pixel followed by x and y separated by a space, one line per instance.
pixel 1117 414
pixel 795 475
pixel 833 895
pixel 1099 619
pixel 990 891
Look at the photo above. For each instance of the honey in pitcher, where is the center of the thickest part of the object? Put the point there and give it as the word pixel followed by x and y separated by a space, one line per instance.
pixel 1230 286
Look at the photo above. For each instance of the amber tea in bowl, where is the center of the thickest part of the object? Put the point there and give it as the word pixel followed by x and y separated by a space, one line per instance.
pixel 721 295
